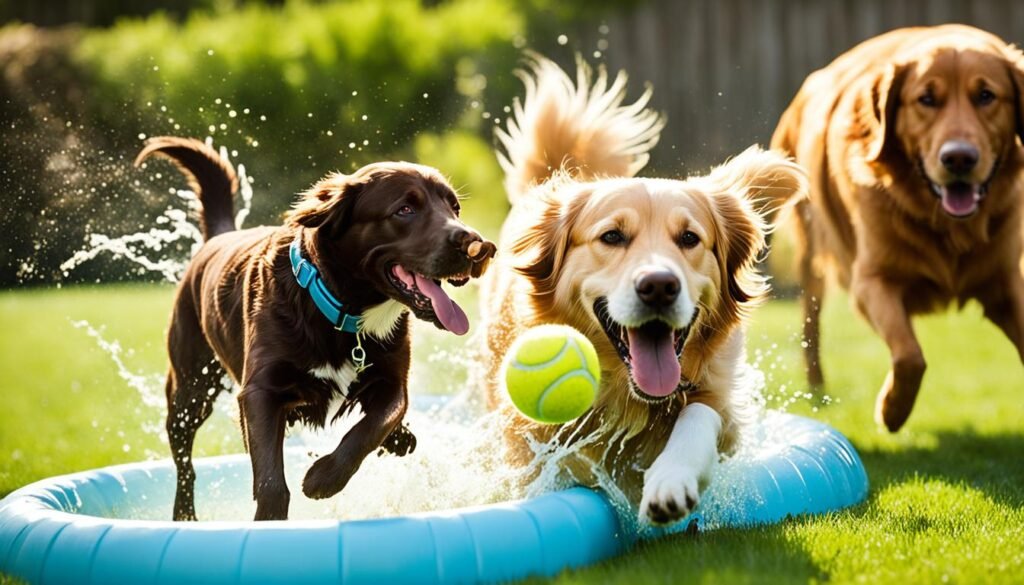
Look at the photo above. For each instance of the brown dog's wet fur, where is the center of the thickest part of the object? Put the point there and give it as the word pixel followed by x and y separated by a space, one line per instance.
pixel 888 132
pixel 571 152
pixel 239 307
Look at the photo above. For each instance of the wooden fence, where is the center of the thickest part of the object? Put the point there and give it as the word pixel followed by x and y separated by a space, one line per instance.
pixel 724 70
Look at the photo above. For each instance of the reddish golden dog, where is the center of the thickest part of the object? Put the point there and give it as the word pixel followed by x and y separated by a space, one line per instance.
pixel 912 142
pixel 658 273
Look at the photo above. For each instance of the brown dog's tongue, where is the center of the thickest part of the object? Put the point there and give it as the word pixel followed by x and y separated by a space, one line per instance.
pixel 655 364
pixel 451 315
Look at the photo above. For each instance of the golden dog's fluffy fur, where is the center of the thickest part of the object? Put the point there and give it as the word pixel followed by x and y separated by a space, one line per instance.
pixel 571 150
pixel 912 142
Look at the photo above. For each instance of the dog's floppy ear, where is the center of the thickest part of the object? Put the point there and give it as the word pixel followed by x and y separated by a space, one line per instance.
pixel 328 203
pixel 745 190
pixel 767 179
pixel 1015 62
pixel 876 110
pixel 544 242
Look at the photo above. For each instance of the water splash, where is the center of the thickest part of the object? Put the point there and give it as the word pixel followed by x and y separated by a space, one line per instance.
pixel 150 389
pixel 148 386
pixel 148 248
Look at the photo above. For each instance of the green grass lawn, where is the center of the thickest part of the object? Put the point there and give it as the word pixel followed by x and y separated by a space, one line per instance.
pixel 947 493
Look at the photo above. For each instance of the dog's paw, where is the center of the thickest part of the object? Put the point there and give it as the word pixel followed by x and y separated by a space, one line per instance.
pixel 400 442
pixel 670 493
pixel 325 479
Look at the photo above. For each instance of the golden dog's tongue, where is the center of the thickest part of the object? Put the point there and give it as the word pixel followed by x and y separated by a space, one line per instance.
pixel 451 315
pixel 960 199
pixel 656 368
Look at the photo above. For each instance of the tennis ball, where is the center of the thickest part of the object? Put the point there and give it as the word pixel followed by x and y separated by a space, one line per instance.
pixel 552 373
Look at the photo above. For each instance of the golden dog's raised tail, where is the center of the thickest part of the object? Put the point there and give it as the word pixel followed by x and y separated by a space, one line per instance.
pixel 582 127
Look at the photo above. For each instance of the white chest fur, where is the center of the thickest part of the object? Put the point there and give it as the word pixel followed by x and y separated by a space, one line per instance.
pixel 341 377
pixel 379 321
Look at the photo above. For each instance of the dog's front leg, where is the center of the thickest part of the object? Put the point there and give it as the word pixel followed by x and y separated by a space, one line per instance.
pixel 672 483
pixel 264 418
pixel 882 303
pixel 385 405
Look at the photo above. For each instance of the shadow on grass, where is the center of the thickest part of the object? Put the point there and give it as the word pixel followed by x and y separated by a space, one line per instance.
pixel 752 555
pixel 990 464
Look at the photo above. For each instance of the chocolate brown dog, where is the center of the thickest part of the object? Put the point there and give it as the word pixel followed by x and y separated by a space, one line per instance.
pixel 309 311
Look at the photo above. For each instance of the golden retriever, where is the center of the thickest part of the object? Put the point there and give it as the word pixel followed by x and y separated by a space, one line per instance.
pixel 912 142
pixel 658 273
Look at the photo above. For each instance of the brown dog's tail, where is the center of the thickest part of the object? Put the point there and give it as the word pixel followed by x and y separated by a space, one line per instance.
pixel 580 127
pixel 208 174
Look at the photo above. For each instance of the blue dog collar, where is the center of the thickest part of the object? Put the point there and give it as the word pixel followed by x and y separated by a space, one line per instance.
pixel 309 278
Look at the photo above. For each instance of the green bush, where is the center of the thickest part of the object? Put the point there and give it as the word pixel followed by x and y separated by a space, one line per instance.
pixel 303 89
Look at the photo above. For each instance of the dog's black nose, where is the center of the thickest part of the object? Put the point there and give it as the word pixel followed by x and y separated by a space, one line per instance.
pixel 958 157
pixel 459 237
pixel 657 288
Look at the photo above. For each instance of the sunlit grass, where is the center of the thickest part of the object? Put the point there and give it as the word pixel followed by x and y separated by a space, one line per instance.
pixel 947 495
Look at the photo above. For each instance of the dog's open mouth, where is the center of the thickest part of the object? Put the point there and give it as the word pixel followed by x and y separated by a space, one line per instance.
pixel 428 300
pixel 650 351
pixel 959 199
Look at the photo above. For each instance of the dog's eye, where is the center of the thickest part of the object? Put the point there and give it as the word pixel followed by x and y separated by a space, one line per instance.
pixel 613 238
pixel 405 211
pixel 689 239
pixel 927 99
pixel 985 97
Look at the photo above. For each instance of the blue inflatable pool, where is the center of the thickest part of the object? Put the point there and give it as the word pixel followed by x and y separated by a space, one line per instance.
pixel 71 529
